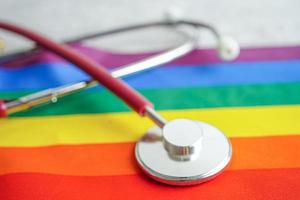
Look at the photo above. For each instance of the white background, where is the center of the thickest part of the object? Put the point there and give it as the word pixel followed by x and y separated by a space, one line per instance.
pixel 251 22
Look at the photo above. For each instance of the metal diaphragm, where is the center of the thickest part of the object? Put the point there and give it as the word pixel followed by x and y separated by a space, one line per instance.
pixel 183 152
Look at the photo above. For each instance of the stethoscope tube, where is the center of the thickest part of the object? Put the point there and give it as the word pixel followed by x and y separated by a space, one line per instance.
pixel 3 109
pixel 45 96
pixel 131 97
pixel 52 94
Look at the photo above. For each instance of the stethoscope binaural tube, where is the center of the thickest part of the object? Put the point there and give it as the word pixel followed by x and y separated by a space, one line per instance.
pixel 53 94
pixel 227 47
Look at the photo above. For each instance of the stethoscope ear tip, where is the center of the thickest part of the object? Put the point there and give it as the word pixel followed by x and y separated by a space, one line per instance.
pixel 228 48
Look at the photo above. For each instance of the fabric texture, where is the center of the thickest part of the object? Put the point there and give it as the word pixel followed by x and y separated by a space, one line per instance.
pixel 82 146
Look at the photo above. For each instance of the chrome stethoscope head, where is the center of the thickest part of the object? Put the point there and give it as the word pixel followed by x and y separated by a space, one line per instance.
pixel 182 151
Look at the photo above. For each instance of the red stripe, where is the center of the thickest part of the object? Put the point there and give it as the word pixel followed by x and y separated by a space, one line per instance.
pixel 241 184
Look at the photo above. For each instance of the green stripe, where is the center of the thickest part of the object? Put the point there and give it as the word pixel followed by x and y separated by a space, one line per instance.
pixel 166 99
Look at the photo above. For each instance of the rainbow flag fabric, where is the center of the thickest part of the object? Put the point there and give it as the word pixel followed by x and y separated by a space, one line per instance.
pixel 82 146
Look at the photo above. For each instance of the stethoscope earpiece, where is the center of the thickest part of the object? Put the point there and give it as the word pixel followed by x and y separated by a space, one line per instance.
pixel 228 48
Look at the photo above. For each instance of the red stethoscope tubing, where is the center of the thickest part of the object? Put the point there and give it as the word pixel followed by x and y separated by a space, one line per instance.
pixel 3 112
pixel 130 96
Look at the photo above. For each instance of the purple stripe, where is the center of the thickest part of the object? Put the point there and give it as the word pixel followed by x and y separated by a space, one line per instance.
pixel 199 56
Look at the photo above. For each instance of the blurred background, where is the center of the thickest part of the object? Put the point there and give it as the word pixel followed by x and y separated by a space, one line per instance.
pixel 252 23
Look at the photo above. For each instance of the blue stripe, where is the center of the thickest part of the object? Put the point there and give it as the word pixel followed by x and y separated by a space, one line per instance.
pixel 41 76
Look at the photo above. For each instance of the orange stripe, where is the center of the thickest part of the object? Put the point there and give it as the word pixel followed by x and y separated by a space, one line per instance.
pixel 118 159
pixel 231 185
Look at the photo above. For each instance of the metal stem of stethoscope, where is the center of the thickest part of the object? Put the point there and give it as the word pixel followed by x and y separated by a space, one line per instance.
pixel 155 117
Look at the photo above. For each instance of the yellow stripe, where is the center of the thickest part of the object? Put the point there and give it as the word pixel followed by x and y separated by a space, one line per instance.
pixel 120 127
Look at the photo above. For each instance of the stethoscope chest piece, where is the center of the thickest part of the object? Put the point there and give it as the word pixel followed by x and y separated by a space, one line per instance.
pixel 183 152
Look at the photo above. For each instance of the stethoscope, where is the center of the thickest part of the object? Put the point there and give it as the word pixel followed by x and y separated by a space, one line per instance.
pixel 177 152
